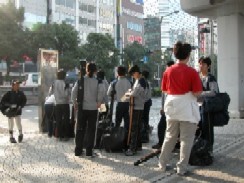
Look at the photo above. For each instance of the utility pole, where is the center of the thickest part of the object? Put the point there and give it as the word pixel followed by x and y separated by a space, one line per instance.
pixel 212 46
pixel 48 12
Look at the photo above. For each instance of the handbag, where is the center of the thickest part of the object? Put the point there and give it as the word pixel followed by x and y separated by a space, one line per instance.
pixel 10 112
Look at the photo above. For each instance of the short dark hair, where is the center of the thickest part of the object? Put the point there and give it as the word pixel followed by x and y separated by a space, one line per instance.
pixel 169 63
pixel 207 61
pixel 145 74
pixel 91 68
pixel 133 69
pixel 101 74
pixel 61 74
pixel 182 50
pixel 121 71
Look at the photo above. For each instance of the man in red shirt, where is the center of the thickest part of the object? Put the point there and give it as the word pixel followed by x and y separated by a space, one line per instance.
pixel 182 85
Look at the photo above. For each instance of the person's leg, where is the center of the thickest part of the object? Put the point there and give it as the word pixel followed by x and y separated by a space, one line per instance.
pixel 139 135
pixel 66 121
pixel 126 115
pixel 145 119
pixel 118 114
pixel 80 131
pixel 187 135
pixel 91 131
pixel 49 110
pixel 207 128
pixel 58 115
pixel 19 126
pixel 171 136
pixel 161 132
pixel 135 139
pixel 10 128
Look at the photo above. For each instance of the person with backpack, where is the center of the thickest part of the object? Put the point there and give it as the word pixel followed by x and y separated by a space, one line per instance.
pixel 87 96
pixel 182 85
pixel 118 88
pixel 137 94
pixel 60 90
pixel 210 88
pixel 12 103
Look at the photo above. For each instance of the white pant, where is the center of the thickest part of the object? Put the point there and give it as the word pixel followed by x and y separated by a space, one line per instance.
pixel 17 121
pixel 187 132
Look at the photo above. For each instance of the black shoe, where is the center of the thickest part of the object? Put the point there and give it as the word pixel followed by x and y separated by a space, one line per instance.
pixel 145 140
pixel 157 146
pixel 20 138
pixel 66 139
pixel 139 148
pixel 78 152
pixel 12 140
pixel 130 152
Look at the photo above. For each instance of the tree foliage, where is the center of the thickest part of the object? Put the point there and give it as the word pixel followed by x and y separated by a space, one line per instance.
pixel 12 40
pixel 62 37
pixel 101 50
pixel 133 54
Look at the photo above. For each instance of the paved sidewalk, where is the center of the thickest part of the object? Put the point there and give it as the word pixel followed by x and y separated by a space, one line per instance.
pixel 42 159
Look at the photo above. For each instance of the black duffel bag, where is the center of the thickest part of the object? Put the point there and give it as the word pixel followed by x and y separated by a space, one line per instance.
pixel 221 118
pixel 217 103
pixel 114 140
pixel 200 155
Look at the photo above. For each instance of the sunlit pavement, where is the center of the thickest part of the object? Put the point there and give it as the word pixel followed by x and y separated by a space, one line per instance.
pixel 42 159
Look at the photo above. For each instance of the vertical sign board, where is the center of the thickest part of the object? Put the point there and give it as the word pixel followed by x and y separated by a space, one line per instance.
pixel 47 67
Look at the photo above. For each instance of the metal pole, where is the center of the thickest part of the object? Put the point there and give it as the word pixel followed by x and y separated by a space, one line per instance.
pixel 212 46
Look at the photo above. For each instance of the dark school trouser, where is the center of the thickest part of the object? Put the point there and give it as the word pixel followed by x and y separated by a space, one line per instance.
pixel 162 129
pixel 122 112
pixel 62 115
pixel 49 112
pixel 135 139
pixel 86 125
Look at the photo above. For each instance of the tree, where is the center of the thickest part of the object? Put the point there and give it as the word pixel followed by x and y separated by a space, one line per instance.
pixel 62 37
pixel 100 49
pixel 133 54
pixel 12 40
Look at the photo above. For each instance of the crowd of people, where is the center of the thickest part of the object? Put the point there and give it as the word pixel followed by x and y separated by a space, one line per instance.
pixel 182 119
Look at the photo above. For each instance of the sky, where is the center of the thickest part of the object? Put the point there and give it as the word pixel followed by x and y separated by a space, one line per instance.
pixel 150 7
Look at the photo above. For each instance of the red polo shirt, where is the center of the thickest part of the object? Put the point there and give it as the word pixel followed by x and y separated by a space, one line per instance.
pixel 179 79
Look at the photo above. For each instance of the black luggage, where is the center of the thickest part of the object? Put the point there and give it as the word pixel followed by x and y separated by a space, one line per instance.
pixel 114 140
pixel 200 153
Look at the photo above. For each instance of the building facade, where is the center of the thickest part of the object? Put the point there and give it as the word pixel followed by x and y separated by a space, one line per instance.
pixel 87 16
pixel 131 22
pixel 176 26
pixel 152 34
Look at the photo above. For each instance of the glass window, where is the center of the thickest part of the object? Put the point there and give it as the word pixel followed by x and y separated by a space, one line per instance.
pixel 83 21
pixel 91 9
pixel 92 23
pixel 60 2
pixel 70 3
pixel 83 7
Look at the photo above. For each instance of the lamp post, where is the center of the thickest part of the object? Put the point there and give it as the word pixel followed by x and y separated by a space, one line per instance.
pixel 174 12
